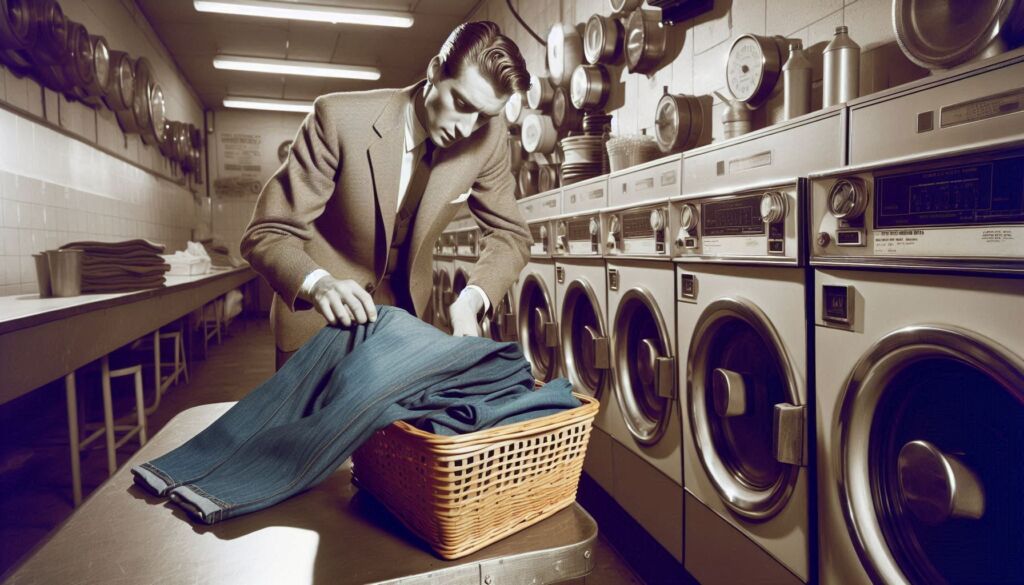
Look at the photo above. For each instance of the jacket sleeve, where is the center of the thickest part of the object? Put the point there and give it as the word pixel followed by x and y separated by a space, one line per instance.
pixel 292 199
pixel 505 237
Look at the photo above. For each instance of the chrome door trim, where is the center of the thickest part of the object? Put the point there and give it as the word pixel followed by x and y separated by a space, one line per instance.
pixel 523 319
pixel 584 288
pixel 753 504
pixel 863 389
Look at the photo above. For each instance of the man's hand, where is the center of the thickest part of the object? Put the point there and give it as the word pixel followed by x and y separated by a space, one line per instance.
pixel 463 314
pixel 342 301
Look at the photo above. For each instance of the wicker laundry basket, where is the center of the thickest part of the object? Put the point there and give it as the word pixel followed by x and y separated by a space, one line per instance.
pixel 460 493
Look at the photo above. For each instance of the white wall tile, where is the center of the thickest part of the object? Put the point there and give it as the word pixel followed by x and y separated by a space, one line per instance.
pixel 870 23
pixel 9 237
pixel 784 18
pixel 11 215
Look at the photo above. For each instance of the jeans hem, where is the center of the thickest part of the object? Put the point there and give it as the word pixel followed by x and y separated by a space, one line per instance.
pixel 153 479
pixel 199 505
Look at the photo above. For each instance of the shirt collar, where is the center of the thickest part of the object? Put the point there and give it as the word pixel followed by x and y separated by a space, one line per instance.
pixel 415 134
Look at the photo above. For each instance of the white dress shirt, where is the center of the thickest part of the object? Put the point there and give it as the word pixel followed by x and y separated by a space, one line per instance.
pixel 415 137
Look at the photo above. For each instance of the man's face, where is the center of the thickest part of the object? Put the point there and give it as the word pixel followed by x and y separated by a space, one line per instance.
pixel 455 107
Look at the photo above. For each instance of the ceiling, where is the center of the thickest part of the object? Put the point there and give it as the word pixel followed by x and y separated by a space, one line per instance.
pixel 194 38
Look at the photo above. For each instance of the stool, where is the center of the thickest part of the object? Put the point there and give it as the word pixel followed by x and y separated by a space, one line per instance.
pixel 212 327
pixel 107 428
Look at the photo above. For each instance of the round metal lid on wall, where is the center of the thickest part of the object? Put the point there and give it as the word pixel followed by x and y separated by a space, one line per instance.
pixel 940 34
pixel 120 91
pixel 590 87
pixel 565 52
pixel 80 68
pixel 514 108
pixel 678 122
pixel 157 110
pixel 540 93
pixel 52 42
pixel 603 39
pixel 92 93
pixel 18 34
pixel 169 142
pixel 624 6
pixel 143 88
pixel 646 41
pixel 563 114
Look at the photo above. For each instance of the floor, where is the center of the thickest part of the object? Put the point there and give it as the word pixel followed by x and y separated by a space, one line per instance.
pixel 35 489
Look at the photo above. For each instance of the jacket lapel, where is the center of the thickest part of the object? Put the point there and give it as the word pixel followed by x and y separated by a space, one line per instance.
pixel 385 157
pixel 450 175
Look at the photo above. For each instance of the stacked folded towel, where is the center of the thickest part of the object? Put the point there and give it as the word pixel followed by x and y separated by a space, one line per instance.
pixel 120 266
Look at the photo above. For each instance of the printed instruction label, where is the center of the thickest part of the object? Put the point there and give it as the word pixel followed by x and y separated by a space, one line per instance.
pixel 638 246
pixel 579 247
pixel 988 241
pixel 736 246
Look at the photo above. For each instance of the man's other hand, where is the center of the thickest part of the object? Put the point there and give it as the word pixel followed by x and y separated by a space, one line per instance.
pixel 342 301
pixel 463 314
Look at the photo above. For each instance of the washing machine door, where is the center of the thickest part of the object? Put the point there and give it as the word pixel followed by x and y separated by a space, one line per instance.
pixel 931 436
pixel 538 331
pixel 501 327
pixel 443 298
pixel 644 366
pixel 586 351
pixel 745 414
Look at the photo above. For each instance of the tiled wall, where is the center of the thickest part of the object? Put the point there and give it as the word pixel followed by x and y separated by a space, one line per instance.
pixel 699 66
pixel 231 214
pixel 56 188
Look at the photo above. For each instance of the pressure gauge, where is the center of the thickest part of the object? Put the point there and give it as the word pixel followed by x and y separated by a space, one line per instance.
pixel 688 217
pixel 753 67
pixel 847 199
pixel 101 62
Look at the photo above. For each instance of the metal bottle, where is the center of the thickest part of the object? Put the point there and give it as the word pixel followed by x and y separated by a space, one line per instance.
pixel 796 81
pixel 842 69
pixel 735 118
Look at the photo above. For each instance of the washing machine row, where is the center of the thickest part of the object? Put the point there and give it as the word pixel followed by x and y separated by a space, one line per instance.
pixel 918 259
pixel 821 369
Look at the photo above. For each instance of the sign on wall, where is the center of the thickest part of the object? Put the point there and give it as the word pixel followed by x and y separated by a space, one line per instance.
pixel 240 171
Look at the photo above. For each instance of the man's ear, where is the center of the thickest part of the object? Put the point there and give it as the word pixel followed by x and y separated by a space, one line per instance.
pixel 434 70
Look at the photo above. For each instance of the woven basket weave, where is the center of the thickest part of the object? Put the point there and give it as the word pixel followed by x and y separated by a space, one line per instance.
pixel 463 492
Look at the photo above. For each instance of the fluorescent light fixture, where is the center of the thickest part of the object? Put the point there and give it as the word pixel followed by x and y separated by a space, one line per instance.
pixel 315 12
pixel 250 103
pixel 286 67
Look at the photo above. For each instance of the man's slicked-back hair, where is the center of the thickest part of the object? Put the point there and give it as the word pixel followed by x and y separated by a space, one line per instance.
pixel 482 44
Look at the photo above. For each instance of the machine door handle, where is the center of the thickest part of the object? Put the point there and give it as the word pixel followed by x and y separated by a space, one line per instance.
pixel 602 350
pixel 789 431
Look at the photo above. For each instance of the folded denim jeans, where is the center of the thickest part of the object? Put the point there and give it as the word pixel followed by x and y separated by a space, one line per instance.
pixel 295 429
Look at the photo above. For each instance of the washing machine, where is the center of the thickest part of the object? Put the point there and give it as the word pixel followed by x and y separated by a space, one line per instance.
pixel 444 264
pixel 648 479
pixel 746 387
pixel 536 313
pixel 742 327
pixel 919 314
pixel 581 297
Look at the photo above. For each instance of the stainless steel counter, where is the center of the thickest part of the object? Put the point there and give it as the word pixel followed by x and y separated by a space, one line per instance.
pixel 332 533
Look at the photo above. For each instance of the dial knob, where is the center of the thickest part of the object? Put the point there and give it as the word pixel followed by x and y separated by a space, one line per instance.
pixel 688 217
pixel 657 220
pixel 847 199
pixel 543 232
pixel 562 229
pixel 595 227
pixel 773 206
pixel 613 231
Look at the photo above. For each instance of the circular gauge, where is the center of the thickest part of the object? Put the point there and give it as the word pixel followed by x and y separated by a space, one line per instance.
pixel 847 199
pixel 602 42
pixel 563 114
pixel 753 68
pixel 143 88
pixel 773 207
pixel 120 92
pixel 678 122
pixel 657 220
pixel 540 92
pixel 100 63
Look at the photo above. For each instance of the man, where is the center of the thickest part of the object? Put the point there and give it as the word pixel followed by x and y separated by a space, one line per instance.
pixel 372 179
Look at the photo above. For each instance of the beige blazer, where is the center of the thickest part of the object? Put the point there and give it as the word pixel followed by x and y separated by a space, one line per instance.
pixel 332 205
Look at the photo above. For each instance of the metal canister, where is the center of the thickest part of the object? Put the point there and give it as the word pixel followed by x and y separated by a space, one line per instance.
pixel 735 117
pixel 796 80
pixel 842 69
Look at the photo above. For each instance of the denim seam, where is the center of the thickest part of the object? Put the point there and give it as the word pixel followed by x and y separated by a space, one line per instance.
pixel 261 426
pixel 161 474
pixel 200 491
pixel 324 445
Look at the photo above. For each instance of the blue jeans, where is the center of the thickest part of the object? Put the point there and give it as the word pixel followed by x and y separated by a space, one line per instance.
pixel 339 388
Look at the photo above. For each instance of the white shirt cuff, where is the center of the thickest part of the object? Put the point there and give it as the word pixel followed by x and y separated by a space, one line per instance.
pixel 307 283
pixel 483 295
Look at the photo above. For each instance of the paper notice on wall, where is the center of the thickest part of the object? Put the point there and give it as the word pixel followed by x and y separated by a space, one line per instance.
pixel 240 168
